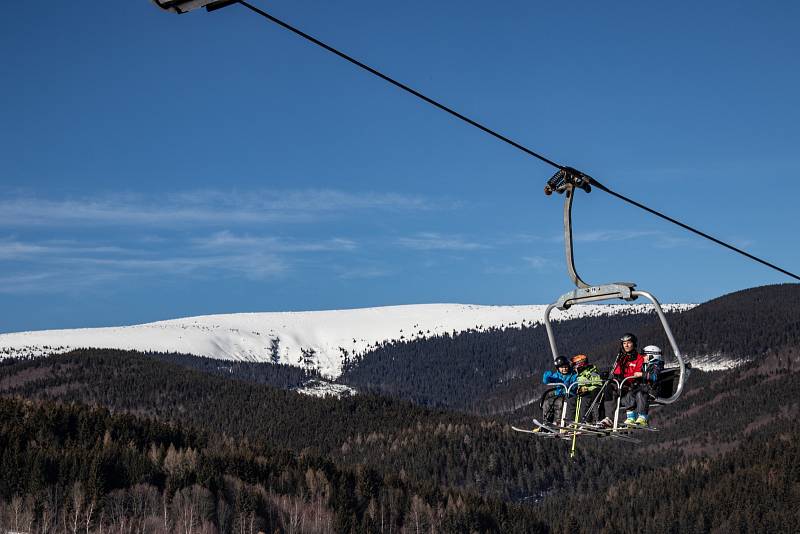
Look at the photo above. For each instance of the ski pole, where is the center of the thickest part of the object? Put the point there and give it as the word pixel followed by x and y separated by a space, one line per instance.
pixel 600 396
pixel 575 432
pixel 597 398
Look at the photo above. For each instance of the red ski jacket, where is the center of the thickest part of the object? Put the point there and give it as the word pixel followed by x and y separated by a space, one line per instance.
pixel 629 365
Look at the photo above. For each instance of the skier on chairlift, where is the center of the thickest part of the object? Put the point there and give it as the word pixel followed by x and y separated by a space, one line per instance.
pixel 590 384
pixel 653 365
pixel 553 404
pixel 634 395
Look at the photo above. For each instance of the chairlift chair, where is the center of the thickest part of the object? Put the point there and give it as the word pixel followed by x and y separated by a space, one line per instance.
pixel 565 182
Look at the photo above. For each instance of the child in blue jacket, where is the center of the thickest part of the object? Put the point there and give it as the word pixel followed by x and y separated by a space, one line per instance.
pixel 554 404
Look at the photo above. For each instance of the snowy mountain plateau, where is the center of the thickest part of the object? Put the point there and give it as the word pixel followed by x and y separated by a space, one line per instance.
pixel 315 339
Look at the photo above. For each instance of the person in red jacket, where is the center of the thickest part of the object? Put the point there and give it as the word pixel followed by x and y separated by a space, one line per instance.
pixel 634 396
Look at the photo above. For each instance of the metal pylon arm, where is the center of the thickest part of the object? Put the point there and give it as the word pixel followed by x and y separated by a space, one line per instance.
pixel 565 181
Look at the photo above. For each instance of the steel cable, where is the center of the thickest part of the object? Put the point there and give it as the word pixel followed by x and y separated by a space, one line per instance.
pixel 503 138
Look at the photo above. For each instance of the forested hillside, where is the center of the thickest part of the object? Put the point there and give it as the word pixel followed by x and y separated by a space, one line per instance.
pixel 500 370
pixel 126 381
pixel 468 452
pixel 132 442
pixel 69 468
pixel 752 488
pixel 435 469
pixel 273 374
pixel 746 324
pixel 479 371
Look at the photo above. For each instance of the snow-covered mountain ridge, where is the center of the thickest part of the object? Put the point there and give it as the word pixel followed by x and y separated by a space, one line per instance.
pixel 320 339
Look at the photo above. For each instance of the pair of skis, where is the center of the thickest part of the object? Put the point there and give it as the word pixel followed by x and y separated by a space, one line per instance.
pixel 558 431
pixel 569 431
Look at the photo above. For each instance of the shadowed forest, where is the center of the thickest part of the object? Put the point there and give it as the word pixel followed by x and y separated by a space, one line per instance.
pixel 113 441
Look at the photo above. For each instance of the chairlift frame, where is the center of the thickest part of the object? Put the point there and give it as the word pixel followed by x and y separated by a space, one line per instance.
pixel 565 182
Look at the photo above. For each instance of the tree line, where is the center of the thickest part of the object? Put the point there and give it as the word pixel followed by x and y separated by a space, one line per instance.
pixel 70 468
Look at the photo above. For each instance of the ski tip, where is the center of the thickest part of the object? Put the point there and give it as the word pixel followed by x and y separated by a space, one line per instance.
pixel 526 430
pixel 540 430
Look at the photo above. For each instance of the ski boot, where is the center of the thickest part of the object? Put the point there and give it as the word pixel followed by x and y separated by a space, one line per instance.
pixel 630 420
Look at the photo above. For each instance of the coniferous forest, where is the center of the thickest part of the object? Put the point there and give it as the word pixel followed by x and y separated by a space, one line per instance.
pixel 114 441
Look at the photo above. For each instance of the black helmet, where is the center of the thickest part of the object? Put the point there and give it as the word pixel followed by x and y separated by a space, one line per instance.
pixel 628 337
pixel 561 362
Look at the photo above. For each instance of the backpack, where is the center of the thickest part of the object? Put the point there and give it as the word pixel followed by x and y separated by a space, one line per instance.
pixel 651 370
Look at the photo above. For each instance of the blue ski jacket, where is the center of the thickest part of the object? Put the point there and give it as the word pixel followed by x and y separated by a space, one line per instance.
pixel 555 377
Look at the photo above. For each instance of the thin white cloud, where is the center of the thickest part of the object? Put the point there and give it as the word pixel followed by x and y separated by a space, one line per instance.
pixel 12 249
pixel 537 262
pixel 55 281
pixel 611 235
pixel 503 270
pixel 434 241
pixel 656 239
pixel 227 240
pixel 25 283
pixel 519 238
pixel 744 242
pixel 662 173
pixel 203 208
pixel 66 266
pixel 364 272
pixel 673 242
pixel 71 275
pixel 256 266
pixel 15 250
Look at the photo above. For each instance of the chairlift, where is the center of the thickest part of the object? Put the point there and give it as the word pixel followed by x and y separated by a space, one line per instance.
pixel 566 181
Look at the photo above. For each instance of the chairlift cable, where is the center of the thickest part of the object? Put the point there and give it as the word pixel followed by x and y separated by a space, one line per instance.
pixel 505 139
pixel 694 230
pixel 401 85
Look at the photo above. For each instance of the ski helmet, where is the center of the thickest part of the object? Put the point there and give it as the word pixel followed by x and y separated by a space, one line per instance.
pixel 579 361
pixel 561 362
pixel 628 337
pixel 654 353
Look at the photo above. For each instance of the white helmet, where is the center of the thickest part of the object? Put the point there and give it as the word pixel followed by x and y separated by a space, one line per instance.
pixel 654 352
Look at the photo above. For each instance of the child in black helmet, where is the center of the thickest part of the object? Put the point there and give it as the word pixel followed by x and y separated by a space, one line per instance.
pixel 564 377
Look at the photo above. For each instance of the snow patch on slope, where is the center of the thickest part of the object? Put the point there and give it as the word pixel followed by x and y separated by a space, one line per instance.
pixel 323 388
pixel 717 362
pixel 318 339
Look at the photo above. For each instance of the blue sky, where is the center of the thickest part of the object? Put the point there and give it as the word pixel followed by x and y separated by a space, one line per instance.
pixel 156 166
